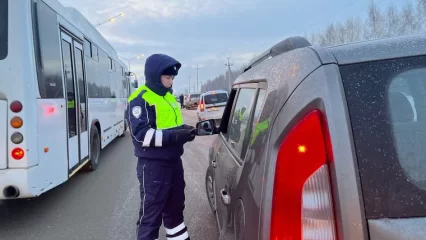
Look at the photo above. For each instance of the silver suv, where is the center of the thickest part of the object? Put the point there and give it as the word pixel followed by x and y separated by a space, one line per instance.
pixel 323 143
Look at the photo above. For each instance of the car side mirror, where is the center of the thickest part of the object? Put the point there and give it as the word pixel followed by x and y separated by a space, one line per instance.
pixel 207 127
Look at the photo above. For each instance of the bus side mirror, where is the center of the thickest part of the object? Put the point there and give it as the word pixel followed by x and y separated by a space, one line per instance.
pixel 135 84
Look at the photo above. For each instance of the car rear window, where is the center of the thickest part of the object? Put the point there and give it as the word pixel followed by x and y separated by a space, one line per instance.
pixel 215 98
pixel 3 28
pixel 195 96
pixel 387 109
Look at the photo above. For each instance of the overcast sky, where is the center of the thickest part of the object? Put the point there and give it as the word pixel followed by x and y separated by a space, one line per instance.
pixel 206 32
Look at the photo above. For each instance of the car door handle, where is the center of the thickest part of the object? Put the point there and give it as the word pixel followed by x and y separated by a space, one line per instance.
pixel 226 199
pixel 214 163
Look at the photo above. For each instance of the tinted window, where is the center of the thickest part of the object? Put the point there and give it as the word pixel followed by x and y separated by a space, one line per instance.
pixel 237 128
pixel 87 48
pixel 195 96
pixel 387 108
pixel 216 98
pixel 110 63
pixel 103 75
pixel 3 29
pixel 258 109
pixel 69 80
pixel 48 52
pixel 81 88
pixel 95 54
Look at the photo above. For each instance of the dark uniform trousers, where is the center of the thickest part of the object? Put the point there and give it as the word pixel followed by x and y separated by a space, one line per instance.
pixel 162 188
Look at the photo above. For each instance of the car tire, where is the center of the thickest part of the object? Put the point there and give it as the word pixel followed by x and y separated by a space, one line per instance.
pixel 95 149
pixel 210 189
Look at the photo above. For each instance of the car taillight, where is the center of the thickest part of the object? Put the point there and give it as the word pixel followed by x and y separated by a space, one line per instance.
pixel 16 106
pixel 302 206
pixel 201 107
pixel 17 153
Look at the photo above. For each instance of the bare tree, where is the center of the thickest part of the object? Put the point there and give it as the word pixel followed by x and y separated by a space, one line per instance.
pixel 389 22
pixel 421 15
pixel 392 22
pixel 374 23
pixel 410 23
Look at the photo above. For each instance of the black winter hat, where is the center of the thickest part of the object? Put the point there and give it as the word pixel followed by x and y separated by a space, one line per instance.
pixel 173 70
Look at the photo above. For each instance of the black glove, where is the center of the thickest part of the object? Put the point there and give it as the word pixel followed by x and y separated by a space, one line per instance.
pixel 184 126
pixel 182 136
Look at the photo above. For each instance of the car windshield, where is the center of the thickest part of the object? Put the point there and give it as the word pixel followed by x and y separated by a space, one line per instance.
pixel 3 29
pixel 216 98
pixel 387 111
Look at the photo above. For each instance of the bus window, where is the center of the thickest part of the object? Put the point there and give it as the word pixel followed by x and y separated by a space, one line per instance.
pixel 66 55
pixel 87 48
pixel 3 29
pixel 49 54
pixel 81 88
pixel 95 52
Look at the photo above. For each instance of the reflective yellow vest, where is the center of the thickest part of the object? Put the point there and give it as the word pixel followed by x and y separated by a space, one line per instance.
pixel 260 127
pixel 71 104
pixel 167 109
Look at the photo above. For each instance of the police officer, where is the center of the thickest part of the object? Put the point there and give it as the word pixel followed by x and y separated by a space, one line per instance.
pixel 158 135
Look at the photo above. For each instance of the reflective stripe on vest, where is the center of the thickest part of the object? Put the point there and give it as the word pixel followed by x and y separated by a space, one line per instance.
pixel 167 110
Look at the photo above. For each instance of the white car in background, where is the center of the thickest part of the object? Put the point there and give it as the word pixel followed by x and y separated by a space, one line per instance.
pixel 211 105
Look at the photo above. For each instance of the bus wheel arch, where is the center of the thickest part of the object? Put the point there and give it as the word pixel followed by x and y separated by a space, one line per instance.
pixel 95 146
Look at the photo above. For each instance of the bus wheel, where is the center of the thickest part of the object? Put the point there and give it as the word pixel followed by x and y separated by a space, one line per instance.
pixel 95 148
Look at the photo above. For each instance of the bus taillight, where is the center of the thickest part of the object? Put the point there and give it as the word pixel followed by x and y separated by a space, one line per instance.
pixel 17 138
pixel 16 106
pixel 18 153
pixel 16 122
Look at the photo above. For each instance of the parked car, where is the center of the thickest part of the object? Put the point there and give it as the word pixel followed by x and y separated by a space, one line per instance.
pixel 192 100
pixel 212 104
pixel 323 143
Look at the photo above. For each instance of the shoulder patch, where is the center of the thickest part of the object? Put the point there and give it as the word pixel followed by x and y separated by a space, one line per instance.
pixel 136 111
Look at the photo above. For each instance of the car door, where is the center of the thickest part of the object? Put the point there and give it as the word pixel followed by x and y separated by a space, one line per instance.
pixel 232 151
pixel 247 186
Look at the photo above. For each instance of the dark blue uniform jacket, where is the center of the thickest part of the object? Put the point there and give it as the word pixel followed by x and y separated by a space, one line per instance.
pixel 139 126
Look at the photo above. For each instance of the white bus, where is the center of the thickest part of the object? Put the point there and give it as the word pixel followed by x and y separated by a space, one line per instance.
pixel 63 94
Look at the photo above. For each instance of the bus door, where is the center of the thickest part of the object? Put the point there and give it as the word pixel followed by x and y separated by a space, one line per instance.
pixel 75 87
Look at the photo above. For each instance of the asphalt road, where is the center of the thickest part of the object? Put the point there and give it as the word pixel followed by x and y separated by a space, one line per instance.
pixel 104 205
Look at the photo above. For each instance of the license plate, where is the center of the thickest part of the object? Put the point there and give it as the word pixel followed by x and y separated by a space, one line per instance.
pixel 214 109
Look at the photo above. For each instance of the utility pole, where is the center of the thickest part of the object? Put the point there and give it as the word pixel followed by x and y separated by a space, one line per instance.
pixel 197 75
pixel 229 77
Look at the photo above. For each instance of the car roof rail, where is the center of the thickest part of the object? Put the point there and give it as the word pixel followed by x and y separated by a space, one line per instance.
pixel 285 45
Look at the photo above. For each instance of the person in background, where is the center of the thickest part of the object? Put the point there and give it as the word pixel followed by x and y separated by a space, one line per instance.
pixel 158 135
pixel 181 100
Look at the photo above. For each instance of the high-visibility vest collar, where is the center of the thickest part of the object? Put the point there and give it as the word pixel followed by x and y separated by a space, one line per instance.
pixel 167 110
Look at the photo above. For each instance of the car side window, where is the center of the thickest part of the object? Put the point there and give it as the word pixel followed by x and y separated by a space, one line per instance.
pixel 259 105
pixel 258 125
pixel 237 128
